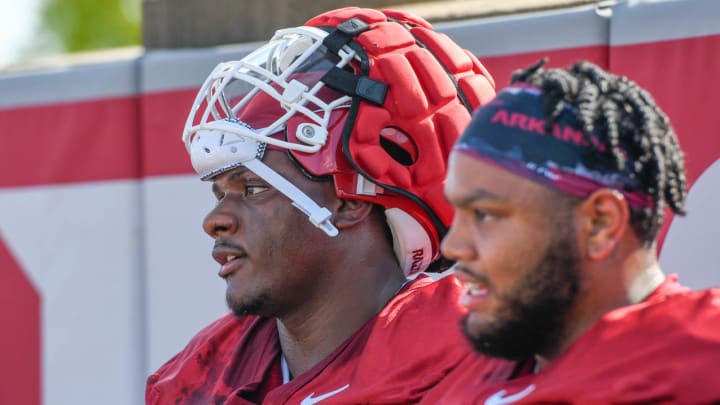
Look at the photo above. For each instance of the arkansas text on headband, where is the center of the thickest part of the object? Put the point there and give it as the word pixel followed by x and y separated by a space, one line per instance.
pixel 510 132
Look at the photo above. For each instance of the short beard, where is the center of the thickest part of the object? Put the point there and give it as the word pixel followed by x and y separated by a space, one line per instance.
pixel 534 314
pixel 254 306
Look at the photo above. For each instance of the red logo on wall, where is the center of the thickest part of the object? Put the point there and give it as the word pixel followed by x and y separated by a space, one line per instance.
pixel 20 320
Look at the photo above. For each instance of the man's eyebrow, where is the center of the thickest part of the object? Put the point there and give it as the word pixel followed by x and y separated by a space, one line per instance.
pixel 238 172
pixel 474 195
pixel 234 175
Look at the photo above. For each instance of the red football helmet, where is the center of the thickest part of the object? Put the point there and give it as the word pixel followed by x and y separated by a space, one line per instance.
pixel 375 99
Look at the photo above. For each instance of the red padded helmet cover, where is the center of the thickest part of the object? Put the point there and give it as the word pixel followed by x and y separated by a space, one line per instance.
pixel 422 102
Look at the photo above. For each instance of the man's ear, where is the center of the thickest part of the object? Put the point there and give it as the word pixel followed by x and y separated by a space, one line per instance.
pixel 351 213
pixel 606 219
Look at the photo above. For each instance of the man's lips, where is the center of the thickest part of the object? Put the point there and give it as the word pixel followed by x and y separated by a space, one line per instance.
pixel 476 297
pixel 229 256
pixel 231 267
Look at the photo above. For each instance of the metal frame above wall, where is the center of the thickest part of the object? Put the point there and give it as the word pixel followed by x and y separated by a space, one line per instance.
pixel 184 23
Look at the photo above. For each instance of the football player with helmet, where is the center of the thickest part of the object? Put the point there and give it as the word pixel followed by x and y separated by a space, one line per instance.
pixel 327 148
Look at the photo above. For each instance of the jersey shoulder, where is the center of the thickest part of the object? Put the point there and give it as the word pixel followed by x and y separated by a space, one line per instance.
pixel 682 314
pixel 662 348
pixel 415 342
pixel 225 330
pixel 441 293
pixel 424 311
pixel 200 370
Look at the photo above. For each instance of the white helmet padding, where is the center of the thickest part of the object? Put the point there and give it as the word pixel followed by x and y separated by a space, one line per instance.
pixel 410 241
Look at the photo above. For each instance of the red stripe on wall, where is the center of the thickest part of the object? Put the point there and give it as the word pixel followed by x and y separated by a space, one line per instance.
pixel 70 142
pixel 20 321
pixel 163 119
pixel 164 113
pixel 501 67
pixel 100 139
pixel 681 76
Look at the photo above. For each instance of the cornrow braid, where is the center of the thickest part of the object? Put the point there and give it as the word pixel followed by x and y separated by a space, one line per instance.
pixel 634 127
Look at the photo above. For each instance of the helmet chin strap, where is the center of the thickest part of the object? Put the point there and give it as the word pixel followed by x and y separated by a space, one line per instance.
pixel 223 146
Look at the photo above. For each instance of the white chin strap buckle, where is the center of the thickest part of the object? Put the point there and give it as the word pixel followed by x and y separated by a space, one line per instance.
pixel 216 150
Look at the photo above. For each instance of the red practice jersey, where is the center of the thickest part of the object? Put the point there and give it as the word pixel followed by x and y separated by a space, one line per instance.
pixel 405 350
pixel 664 350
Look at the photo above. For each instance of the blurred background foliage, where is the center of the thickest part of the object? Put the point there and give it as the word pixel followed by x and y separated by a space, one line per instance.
pixel 80 25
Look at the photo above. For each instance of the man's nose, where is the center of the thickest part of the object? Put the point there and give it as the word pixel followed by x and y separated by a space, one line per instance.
pixel 457 245
pixel 220 221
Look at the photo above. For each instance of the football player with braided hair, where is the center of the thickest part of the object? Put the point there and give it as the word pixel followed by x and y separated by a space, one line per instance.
pixel 326 149
pixel 576 166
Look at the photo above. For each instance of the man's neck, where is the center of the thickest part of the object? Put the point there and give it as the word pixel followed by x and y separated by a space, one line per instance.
pixel 641 286
pixel 311 333
pixel 633 286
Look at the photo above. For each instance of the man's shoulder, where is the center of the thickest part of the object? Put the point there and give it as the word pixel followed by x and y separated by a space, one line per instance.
pixel 664 348
pixel 221 336
pixel 226 327
pixel 425 301
pixel 683 313
pixel 217 348
pixel 422 321
pixel 658 326
pixel 679 331
pixel 436 290
pixel 688 318
pixel 410 346
pixel 687 306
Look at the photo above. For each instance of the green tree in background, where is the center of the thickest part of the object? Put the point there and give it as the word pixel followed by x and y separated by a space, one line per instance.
pixel 93 24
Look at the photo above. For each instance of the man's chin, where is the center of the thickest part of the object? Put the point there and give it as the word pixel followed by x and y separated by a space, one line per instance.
pixel 244 306
pixel 475 325
pixel 489 339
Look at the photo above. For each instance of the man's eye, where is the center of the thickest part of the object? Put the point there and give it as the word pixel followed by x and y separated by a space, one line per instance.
pixel 481 216
pixel 254 189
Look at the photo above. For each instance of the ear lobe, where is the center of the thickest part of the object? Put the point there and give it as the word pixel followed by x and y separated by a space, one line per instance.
pixel 351 213
pixel 608 217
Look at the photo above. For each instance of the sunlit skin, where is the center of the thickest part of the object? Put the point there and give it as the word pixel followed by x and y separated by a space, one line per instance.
pixel 282 266
pixel 501 233
pixel 502 227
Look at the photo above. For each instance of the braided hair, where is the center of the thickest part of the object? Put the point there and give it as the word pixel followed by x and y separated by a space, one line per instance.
pixel 634 127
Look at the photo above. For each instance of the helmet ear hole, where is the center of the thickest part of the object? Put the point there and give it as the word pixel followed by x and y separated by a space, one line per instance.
pixel 398 145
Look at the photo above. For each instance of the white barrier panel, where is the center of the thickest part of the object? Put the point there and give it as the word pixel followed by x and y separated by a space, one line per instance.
pixel 70 220
pixel 185 292
pixel 79 245
pixel 691 244
pixel 577 27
